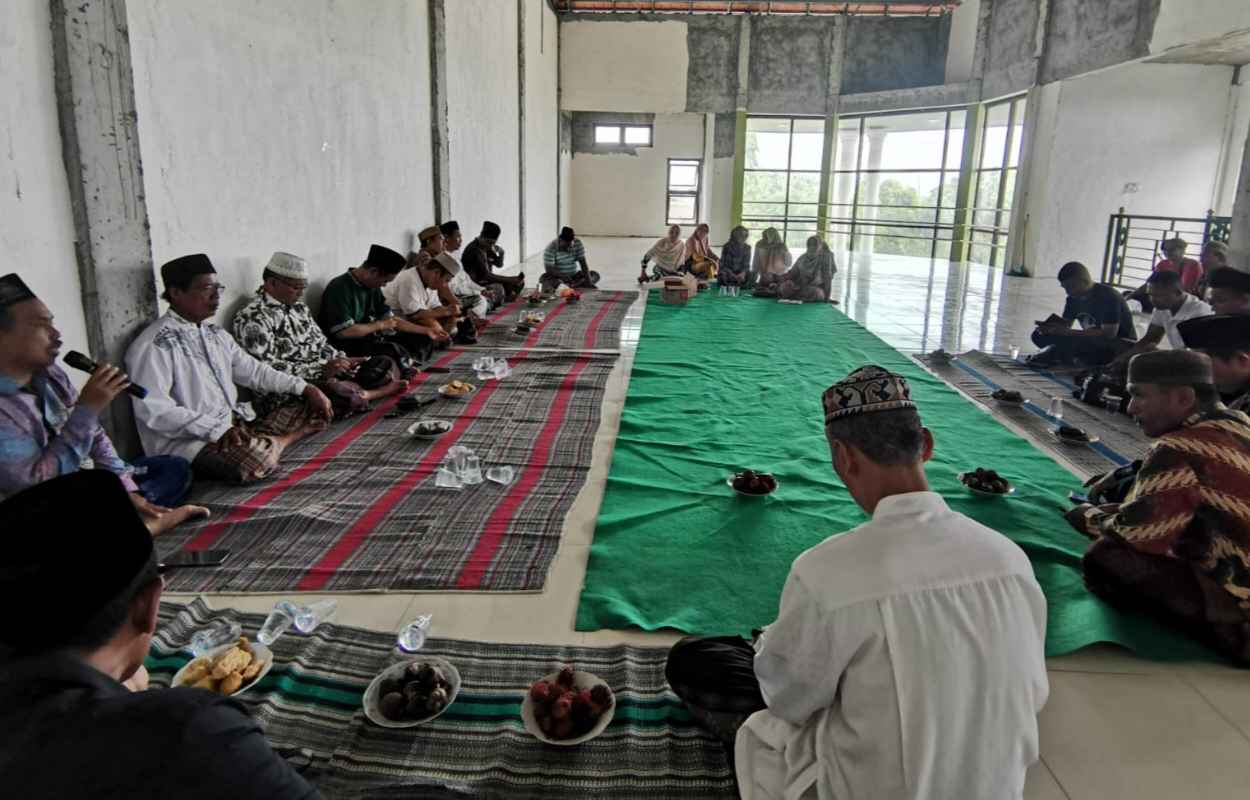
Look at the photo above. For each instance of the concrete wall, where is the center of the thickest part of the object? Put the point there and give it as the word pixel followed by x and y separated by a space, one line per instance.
pixel 1010 62
pixel 963 41
pixel 899 53
pixel 623 66
pixel 542 124
pixel 1095 135
pixel 1182 22
pixel 36 224
pixel 285 125
pixel 482 116
pixel 1084 36
pixel 618 194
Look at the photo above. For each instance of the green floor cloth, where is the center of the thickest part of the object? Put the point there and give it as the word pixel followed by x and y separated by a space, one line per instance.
pixel 723 384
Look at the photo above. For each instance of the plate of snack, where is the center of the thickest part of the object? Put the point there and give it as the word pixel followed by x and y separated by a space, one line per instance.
pixel 429 428
pixel 567 707
pixel 1008 396
pixel 750 483
pixel 986 482
pixel 228 670
pixel 1070 434
pixel 531 318
pixel 412 692
pixel 457 388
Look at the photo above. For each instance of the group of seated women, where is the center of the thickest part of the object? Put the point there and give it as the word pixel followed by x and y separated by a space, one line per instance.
pixel 770 273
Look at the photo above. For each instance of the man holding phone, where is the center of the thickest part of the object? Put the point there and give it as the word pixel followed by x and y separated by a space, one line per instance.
pixel 1103 323
pixel 76 718
pixel 50 428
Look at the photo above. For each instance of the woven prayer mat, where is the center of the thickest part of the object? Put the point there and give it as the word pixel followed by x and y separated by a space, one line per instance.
pixel 674 547
pixel 592 323
pixel 355 507
pixel 977 374
pixel 310 707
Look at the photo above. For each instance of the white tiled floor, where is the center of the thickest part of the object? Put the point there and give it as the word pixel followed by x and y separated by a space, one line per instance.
pixel 1115 726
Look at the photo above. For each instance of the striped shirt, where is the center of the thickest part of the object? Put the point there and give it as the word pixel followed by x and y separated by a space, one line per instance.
pixel 1191 500
pixel 564 262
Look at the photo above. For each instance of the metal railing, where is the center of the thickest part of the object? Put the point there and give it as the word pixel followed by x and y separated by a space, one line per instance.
pixel 1133 242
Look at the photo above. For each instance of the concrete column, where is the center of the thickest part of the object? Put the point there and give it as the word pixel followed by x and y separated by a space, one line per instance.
pixel 1239 242
pixel 966 191
pixel 100 146
pixel 520 75
pixel 871 183
pixel 440 155
pixel 847 156
pixel 740 128
pixel 705 178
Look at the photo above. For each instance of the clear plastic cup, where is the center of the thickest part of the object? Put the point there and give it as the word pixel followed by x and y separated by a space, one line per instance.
pixel 502 369
pixel 213 635
pixel 483 363
pixel 446 479
pixel 1056 408
pixel 1015 353
pixel 276 624
pixel 500 475
pixel 411 637
pixel 471 474
pixel 307 618
pixel 456 457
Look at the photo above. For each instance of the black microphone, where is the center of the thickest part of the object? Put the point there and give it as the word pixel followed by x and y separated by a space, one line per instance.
pixel 78 361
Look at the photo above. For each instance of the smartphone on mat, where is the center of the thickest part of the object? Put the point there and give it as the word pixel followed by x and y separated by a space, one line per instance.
pixel 194 558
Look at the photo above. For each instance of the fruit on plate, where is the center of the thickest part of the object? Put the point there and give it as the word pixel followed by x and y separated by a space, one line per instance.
pixel 752 482
pixel 1073 433
pixel 1008 396
pixel 563 711
pixel 421 691
pixel 986 480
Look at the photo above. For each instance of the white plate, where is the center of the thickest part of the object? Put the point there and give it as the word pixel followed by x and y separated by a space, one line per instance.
pixel 414 428
pixel 581 680
pixel 730 483
pixel 372 694
pixel 1011 487
pixel 258 649
pixel 443 391
pixel 1073 442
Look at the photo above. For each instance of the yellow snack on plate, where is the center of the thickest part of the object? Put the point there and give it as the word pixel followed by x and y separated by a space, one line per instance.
pixel 233 660
pixel 253 669
pixel 207 682
pixel 199 668
pixel 231 683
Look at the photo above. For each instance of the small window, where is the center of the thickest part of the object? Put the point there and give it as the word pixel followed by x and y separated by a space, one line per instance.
pixel 607 134
pixel 682 200
pixel 639 135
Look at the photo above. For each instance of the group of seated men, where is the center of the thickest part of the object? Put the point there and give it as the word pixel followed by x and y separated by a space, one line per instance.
pixel 302 372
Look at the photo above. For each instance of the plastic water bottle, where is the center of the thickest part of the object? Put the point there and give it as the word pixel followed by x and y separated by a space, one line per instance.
pixel 411 637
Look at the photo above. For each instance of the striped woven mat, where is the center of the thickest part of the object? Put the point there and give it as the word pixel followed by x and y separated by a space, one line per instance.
pixel 978 374
pixel 355 508
pixel 309 706
pixel 592 323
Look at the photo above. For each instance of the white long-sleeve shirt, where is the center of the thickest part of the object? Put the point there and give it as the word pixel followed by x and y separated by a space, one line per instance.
pixel 190 372
pixel 906 662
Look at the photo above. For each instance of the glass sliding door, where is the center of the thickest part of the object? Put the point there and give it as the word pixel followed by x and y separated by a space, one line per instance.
pixel 781 176
pixel 995 180
pixel 894 180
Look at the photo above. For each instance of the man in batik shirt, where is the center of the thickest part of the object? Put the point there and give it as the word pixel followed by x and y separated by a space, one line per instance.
pixel 1178 547
pixel 1225 338
pixel 278 329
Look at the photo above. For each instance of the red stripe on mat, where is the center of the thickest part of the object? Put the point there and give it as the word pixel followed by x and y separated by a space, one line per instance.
pixel 318 574
pixel 484 552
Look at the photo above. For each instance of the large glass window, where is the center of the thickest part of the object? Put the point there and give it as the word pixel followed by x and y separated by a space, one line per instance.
pixel 995 180
pixel 781 179
pixel 894 180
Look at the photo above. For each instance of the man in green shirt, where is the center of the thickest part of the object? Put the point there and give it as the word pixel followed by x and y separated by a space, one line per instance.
pixel 356 318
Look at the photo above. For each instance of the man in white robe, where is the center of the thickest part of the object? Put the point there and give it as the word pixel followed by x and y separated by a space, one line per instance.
pixel 190 367
pixel 907 658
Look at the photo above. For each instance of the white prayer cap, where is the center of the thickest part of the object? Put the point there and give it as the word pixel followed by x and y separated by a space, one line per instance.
pixel 288 266
pixel 448 263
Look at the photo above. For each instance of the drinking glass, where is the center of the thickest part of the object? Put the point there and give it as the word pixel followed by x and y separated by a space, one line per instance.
pixel 501 475
pixel 307 618
pixel 471 474
pixel 1015 353
pixel 411 637
pixel 276 624
pixel 456 458
pixel 214 635
pixel 446 479
pixel 1056 408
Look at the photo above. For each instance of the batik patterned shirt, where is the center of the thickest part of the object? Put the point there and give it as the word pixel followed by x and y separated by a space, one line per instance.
pixel 45 434
pixel 1191 500
pixel 286 338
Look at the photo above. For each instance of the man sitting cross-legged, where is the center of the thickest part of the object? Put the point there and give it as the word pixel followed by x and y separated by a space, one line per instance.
pixel 1104 324
pixel 420 293
pixel 190 367
pixel 1229 291
pixel 1172 306
pixel 278 329
pixel 906 660
pixel 483 256
pixel 355 316
pixel 48 428
pixel 1178 548
pixel 80 579
pixel 564 262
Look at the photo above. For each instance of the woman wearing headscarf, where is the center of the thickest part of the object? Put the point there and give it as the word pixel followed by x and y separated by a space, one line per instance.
pixel 809 280
pixel 772 256
pixel 735 259
pixel 701 261
pixel 669 254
